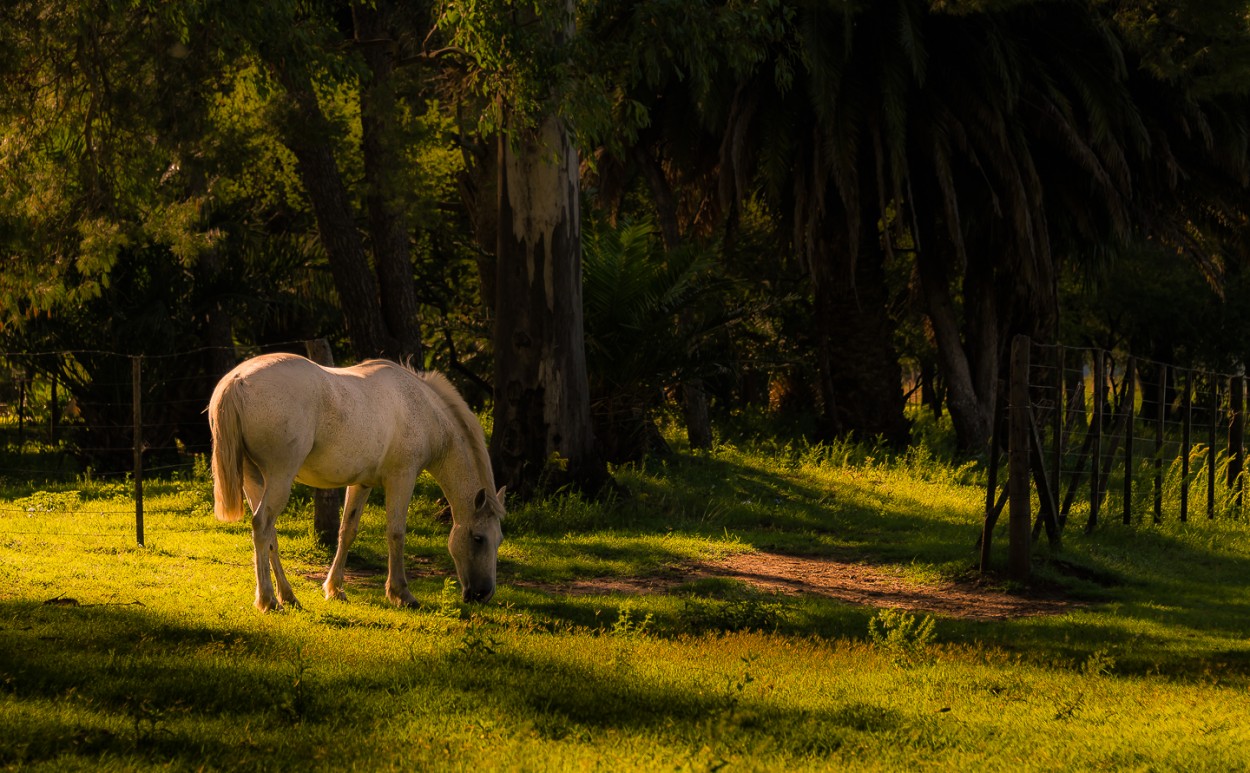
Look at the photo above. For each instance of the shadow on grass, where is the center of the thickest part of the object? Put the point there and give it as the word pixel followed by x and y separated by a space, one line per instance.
pixel 81 684
pixel 1166 589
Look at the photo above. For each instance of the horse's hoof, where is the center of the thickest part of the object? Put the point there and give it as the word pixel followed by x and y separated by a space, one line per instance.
pixel 268 605
pixel 406 601
pixel 335 595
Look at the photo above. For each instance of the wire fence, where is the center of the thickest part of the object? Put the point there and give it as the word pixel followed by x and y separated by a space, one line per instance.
pixel 1094 436
pixel 115 420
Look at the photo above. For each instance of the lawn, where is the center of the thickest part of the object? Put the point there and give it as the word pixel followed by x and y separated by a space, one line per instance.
pixel 607 647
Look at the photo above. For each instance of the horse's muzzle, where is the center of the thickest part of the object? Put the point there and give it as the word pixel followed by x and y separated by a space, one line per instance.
pixel 478 595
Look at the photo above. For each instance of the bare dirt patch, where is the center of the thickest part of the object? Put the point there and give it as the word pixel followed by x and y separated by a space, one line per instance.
pixel 853 583
pixel 846 581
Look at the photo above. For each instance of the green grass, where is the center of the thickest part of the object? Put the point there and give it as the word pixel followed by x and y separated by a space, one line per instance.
pixel 117 657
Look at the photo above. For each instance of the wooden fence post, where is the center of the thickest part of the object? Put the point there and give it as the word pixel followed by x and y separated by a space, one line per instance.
pixel 1160 418
pixel 1236 434
pixel 1186 439
pixel 1095 467
pixel 22 389
pixel 54 408
pixel 136 392
pixel 1018 467
pixel 1057 430
pixel 991 507
pixel 1130 395
pixel 327 503
pixel 1214 417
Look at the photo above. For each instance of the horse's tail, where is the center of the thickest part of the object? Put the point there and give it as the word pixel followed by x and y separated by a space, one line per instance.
pixel 227 427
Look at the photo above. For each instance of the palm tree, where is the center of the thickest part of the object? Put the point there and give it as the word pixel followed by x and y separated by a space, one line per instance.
pixel 1005 141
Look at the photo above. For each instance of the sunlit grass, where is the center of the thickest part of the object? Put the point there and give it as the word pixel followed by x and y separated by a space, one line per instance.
pixel 114 656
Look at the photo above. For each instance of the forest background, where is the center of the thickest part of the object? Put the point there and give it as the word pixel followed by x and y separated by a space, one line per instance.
pixel 593 213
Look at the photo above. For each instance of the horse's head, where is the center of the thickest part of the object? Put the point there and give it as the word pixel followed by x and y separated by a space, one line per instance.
pixel 474 545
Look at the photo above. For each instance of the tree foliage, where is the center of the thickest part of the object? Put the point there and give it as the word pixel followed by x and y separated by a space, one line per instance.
pixel 853 183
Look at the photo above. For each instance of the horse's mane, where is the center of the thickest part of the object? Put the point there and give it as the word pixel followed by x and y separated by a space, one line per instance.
pixel 464 416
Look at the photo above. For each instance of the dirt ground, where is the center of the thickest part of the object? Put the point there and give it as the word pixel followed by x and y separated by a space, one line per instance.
pixel 852 583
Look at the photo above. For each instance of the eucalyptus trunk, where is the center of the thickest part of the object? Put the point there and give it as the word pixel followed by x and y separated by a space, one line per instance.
pixel 542 434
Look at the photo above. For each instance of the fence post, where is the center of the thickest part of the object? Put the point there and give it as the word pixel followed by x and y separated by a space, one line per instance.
pixel 1186 439
pixel 53 410
pixel 1161 418
pixel 1214 416
pixel 1057 428
pixel 1236 434
pixel 1018 468
pixel 991 507
pixel 1095 465
pixel 1130 394
pixel 327 503
pixel 136 390
pixel 22 389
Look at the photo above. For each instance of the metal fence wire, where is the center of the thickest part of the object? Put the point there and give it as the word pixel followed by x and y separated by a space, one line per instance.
pixel 112 417
pixel 1109 436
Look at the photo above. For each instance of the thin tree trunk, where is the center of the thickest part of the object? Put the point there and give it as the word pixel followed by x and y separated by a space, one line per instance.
pixel 542 428
pixel 478 185
pixel 388 228
pixel 970 409
pixel 306 133
pixel 694 398
pixel 983 331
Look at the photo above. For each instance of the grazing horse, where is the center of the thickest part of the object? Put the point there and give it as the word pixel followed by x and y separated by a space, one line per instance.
pixel 281 418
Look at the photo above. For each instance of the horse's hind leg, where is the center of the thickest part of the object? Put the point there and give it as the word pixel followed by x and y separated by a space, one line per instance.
pixel 254 489
pixel 286 594
pixel 273 501
pixel 253 484
pixel 353 505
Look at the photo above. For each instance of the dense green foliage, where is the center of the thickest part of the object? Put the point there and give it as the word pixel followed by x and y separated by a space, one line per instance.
pixel 122 658
pixel 859 185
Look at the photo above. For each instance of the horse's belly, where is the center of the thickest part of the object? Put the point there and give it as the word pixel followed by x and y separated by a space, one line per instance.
pixel 320 480
pixel 336 478
pixel 339 464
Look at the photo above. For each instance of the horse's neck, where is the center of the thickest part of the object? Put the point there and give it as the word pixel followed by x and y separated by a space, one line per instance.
pixel 457 474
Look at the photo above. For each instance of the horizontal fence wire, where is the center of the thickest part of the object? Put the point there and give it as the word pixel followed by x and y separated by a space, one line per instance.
pixel 68 417
pixel 1129 438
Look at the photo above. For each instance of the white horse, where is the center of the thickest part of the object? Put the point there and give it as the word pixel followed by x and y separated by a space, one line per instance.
pixel 280 418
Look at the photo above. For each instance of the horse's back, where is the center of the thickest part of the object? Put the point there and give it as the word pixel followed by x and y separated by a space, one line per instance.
pixel 335 426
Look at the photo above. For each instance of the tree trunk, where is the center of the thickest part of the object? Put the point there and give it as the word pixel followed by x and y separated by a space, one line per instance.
pixel 970 409
pixel 388 228
pixel 542 435
pixel 694 398
pixel 478 185
pixel 305 131
pixel 327 503
pixel 861 381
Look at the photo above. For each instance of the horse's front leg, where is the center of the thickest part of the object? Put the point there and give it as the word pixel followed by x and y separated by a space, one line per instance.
pixel 353 506
pixel 397 497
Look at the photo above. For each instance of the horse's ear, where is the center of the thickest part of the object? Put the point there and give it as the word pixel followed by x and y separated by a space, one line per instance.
pixel 479 499
pixel 499 493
